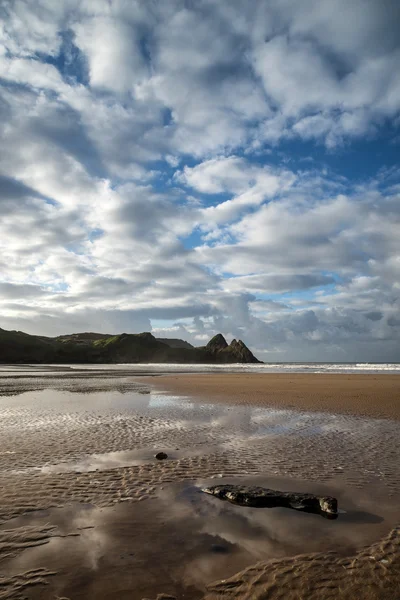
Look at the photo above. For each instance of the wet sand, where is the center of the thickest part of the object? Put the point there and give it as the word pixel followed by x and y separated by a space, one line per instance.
pixel 184 540
pixel 87 512
pixel 367 395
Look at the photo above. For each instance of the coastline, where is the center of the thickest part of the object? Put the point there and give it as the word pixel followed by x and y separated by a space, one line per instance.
pixel 367 395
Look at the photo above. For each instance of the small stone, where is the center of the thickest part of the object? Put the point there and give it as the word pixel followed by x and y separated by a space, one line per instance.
pixel 219 549
pixel 161 456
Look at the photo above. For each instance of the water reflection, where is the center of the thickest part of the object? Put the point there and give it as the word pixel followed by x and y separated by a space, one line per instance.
pixel 194 537
pixel 110 460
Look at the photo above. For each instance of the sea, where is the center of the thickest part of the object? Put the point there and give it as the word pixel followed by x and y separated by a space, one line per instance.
pixel 284 367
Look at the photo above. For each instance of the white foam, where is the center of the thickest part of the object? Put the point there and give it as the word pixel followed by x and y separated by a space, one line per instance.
pixel 254 368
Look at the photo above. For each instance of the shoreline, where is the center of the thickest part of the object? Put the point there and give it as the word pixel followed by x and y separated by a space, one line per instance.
pixel 366 395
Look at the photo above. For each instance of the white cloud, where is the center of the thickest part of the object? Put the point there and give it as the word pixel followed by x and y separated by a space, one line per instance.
pixel 290 70
pixel 120 45
pixel 29 28
pixel 276 283
pixel 248 184
pixel 27 71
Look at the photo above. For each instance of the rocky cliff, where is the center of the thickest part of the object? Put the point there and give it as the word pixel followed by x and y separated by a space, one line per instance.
pixel 19 347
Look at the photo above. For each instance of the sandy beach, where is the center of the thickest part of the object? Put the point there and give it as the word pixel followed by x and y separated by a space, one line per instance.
pixel 372 395
pixel 88 513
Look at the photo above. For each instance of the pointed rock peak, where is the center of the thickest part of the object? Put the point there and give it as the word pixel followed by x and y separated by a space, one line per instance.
pixel 241 352
pixel 238 344
pixel 218 342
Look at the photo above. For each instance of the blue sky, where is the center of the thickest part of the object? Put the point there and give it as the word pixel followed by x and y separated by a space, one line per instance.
pixel 193 168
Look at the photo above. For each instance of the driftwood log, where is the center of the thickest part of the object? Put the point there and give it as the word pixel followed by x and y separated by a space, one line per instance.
pixel 258 497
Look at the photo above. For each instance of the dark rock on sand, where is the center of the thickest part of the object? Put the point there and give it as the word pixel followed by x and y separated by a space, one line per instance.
pixel 258 497
pixel 219 549
pixel 161 456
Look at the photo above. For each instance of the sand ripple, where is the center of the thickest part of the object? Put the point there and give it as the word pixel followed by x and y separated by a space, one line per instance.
pixel 372 574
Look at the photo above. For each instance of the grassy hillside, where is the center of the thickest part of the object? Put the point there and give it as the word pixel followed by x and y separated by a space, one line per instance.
pixel 16 346
pixel 175 343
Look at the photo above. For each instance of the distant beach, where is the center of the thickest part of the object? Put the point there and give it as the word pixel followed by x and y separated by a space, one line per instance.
pixel 369 395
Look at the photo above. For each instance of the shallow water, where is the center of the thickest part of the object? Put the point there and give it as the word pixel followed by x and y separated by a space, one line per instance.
pixel 79 452
pixel 53 430
pixel 184 540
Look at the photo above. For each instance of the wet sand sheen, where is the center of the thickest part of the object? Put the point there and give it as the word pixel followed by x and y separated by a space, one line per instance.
pixel 105 519
pixel 367 395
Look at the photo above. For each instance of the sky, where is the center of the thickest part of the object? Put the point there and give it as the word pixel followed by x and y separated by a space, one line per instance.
pixel 201 166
